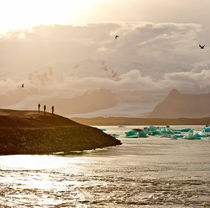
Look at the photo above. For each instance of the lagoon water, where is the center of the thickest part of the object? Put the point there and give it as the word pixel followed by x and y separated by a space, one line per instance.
pixel 144 172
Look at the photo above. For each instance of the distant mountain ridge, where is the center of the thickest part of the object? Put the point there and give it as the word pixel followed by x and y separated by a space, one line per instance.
pixel 178 105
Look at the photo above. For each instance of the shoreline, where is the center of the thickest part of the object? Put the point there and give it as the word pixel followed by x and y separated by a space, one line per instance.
pixel 30 132
pixel 114 121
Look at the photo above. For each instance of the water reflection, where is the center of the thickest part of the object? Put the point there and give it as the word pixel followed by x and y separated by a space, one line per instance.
pixel 31 162
pixel 152 172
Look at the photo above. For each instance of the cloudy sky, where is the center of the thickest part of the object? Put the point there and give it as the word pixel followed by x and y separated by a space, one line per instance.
pixel 66 54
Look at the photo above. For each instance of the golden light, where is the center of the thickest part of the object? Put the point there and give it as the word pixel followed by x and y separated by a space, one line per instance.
pixel 24 14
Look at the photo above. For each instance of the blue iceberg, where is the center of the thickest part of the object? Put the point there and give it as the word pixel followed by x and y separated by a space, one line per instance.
pixel 137 133
pixel 182 130
pixel 152 128
pixel 166 130
pixel 132 134
pixel 177 136
pixel 200 135
pixel 143 134
pixel 206 129
pixel 191 135
pixel 115 135
pixel 102 129
pixel 176 131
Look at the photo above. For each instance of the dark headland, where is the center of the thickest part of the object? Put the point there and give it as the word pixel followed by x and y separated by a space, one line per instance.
pixel 30 132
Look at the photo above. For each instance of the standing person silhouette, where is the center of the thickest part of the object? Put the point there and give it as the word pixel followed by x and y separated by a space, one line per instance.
pixel 39 107
pixel 53 109
pixel 44 108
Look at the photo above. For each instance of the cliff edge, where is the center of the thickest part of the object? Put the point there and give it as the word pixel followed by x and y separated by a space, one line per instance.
pixel 30 132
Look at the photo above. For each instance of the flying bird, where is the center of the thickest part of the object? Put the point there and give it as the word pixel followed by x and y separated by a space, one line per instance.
pixel 22 85
pixel 201 46
pixel 116 36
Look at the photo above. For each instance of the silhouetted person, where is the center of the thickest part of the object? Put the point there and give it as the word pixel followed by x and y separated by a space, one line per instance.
pixel 44 109
pixel 39 107
pixel 22 85
pixel 201 46
pixel 53 109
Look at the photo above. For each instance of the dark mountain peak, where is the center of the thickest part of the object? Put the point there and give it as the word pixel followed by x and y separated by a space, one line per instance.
pixel 178 105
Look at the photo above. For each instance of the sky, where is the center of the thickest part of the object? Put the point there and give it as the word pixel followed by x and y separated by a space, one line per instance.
pixel 65 53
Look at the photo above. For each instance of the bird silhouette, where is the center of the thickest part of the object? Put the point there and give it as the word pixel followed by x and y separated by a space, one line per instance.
pixel 116 36
pixel 22 85
pixel 201 46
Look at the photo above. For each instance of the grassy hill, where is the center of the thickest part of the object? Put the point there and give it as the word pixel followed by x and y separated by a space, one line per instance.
pixel 30 132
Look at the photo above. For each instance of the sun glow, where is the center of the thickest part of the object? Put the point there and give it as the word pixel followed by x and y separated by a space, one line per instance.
pixel 24 14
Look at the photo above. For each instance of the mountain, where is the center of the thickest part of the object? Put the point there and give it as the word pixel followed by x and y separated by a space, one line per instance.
pixel 90 101
pixel 31 132
pixel 178 105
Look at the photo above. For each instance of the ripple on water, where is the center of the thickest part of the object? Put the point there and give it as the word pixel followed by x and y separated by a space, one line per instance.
pixel 152 172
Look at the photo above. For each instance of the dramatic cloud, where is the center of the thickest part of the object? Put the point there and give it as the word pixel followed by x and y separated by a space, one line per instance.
pixel 140 67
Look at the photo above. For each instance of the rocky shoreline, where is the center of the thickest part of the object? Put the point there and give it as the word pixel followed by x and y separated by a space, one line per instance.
pixel 29 132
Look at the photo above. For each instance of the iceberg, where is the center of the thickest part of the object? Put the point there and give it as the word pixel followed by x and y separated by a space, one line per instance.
pixel 115 135
pixel 200 135
pixel 176 131
pixel 206 129
pixel 182 130
pixel 137 133
pixel 191 135
pixel 132 134
pixel 176 136
pixel 152 128
pixel 166 130
pixel 102 129
pixel 143 134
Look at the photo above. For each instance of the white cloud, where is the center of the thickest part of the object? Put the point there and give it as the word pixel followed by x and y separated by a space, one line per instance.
pixel 148 60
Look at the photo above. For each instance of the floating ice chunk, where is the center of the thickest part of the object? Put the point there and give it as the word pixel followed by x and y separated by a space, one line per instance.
pixel 143 134
pixel 182 129
pixel 115 135
pixel 191 135
pixel 206 129
pixel 200 135
pixel 152 128
pixel 176 136
pixel 177 131
pixel 137 133
pixel 132 134
pixel 166 130
pixel 102 129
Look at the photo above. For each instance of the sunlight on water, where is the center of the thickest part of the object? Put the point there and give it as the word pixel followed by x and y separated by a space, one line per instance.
pixel 152 172
pixel 39 162
pixel 31 162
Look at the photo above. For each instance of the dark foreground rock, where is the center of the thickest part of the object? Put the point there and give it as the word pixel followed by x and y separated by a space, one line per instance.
pixel 28 132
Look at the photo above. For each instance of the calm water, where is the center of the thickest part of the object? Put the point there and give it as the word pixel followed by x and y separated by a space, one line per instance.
pixel 151 172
